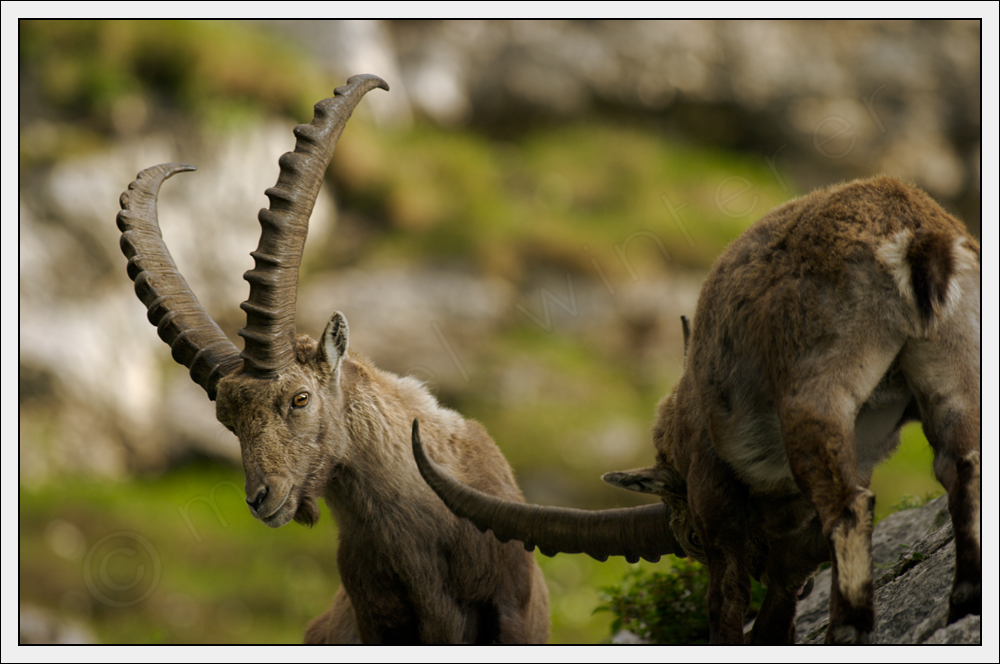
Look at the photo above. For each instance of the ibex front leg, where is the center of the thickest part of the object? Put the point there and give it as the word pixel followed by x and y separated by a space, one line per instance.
pixel 791 562
pixel 721 523
pixel 819 439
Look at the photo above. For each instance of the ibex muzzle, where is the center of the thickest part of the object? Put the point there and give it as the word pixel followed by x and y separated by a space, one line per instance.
pixel 315 420
pixel 831 322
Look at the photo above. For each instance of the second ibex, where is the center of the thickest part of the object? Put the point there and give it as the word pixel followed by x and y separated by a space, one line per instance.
pixel 819 332
pixel 315 420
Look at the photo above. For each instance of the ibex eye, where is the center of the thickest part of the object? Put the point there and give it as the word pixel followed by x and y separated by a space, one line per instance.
pixel 300 400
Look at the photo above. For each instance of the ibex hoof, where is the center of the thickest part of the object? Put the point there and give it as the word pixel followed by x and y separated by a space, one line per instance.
pixel 847 634
pixel 966 599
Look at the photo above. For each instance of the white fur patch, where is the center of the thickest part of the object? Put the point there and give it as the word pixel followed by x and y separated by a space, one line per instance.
pixel 892 253
pixel 966 265
pixel 853 550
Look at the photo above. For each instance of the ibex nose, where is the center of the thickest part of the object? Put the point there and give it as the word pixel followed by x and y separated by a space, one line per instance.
pixel 256 501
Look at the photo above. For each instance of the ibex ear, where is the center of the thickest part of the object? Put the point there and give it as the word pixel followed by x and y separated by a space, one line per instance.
pixel 333 346
pixel 653 480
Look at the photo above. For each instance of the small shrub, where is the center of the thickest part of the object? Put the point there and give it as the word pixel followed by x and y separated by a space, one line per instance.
pixel 910 501
pixel 667 607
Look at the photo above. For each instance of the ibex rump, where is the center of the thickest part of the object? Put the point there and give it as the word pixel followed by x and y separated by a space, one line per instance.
pixel 831 322
pixel 315 420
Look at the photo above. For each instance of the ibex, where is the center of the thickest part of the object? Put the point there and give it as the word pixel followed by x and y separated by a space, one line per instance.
pixel 315 420
pixel 826 326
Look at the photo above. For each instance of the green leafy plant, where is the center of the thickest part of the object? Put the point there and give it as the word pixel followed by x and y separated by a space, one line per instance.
pixel 667 607
pixel 910 501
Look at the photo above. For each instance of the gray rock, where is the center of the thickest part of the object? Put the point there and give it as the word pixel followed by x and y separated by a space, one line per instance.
pixel 914 555
pixel 967 630
pixel 822 100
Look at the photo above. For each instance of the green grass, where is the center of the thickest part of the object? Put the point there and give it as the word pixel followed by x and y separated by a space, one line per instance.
pixel 588 194
pixel 178 559
pixel 91 549
pixel 175 559
pixel 909 472
pixel 98 79
pixel 205 68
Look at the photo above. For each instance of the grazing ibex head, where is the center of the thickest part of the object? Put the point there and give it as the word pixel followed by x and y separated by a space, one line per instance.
pixel 281 392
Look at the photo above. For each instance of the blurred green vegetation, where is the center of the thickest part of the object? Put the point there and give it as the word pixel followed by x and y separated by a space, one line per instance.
pixel 171 559
pixel 600 200
pixel 909 472
pixel 207 69
pixel 583 198
pixel 178 559
pixel 88 80
pixel 92 548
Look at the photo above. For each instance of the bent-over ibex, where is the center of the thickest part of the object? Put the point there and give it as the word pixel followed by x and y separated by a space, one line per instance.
pixel 830 323
pixel 314 420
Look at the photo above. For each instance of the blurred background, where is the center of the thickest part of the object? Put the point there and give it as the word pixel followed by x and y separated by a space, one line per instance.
pixel 520 223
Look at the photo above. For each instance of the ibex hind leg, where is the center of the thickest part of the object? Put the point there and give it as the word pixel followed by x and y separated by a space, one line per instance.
pixel 945 375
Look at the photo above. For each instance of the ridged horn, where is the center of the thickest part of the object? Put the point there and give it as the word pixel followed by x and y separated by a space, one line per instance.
pixel 634 532
pixel 270 330
pixel 194 338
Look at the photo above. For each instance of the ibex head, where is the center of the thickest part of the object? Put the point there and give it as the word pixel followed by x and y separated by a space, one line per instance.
pixel 281 392
pixel 284 425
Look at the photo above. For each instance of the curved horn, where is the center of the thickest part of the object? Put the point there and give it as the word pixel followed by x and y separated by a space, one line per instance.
pixel 194 338
pixel 270 330
pixel 636 532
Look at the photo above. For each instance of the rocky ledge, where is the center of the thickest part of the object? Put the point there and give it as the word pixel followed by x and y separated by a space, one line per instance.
pixel 914 556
